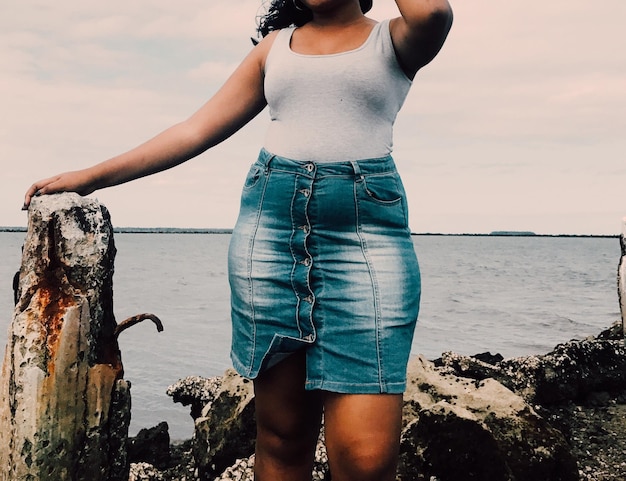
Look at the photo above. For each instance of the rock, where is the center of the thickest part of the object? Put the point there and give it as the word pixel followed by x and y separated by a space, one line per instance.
pixel 462 429
pixel 321 471
pixel 242 470
pixel 570 372
pixel 226 431
pixel 195 391
pixel 455 428
pixel 144 472
pixel 151 446
pixel 613 333
pixel 64 407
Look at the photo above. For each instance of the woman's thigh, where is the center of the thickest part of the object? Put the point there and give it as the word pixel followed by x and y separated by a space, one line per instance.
pixel 285 411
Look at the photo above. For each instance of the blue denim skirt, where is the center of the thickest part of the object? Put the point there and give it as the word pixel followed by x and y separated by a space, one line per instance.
pixel 321 259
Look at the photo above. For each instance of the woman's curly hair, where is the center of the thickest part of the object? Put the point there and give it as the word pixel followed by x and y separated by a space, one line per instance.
pixel 284 13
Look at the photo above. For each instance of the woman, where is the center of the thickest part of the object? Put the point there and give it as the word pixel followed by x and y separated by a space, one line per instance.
pixel 324 279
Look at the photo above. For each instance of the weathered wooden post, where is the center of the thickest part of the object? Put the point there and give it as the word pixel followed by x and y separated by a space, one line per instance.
pixel 621 278
pixel 64 407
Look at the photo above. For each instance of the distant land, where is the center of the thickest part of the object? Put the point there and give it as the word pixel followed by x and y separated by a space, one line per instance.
pixel 170 230
pixel 516 234
pixel 512 232
pixel 190 230
pixel 12 229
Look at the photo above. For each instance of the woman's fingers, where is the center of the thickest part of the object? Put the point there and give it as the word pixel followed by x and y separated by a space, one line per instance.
pixel 32 191
pixel 45 186
pixel 75 181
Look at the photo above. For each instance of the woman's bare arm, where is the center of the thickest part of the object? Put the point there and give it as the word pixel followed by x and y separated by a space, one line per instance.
pixel 239 100
pixel 419 33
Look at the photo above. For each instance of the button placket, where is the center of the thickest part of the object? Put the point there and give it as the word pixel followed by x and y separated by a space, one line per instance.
pixel 302 259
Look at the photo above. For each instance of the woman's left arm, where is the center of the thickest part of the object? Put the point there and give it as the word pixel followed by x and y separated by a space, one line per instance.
pixel 419 33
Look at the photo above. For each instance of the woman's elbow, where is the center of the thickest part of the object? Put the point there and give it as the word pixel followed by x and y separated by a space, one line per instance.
pixel 441 16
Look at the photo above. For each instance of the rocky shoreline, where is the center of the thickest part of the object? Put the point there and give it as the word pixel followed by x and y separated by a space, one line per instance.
pixel 559 416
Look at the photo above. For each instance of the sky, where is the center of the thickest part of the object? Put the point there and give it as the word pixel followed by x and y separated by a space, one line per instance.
pixel 518 124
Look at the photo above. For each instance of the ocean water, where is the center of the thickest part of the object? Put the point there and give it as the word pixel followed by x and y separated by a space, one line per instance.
pixel 510 295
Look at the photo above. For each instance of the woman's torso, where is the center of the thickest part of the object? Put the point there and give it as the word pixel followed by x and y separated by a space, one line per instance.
pixel 334 107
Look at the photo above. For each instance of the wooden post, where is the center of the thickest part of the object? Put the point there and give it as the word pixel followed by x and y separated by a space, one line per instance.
pixel 621 278
pixel 64 407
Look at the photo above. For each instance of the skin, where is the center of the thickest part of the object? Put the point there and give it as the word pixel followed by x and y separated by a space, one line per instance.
pixel 362 431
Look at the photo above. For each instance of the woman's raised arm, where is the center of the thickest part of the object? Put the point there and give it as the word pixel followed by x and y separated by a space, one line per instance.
pixel 419 33
pixel 239 100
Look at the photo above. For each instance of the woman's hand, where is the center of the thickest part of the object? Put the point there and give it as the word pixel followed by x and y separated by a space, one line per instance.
pixel 76 181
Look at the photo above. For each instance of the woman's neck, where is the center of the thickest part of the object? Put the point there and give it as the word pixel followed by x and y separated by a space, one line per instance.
pixel 343 16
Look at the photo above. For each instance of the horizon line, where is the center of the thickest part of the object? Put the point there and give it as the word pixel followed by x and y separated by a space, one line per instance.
pixel 229 230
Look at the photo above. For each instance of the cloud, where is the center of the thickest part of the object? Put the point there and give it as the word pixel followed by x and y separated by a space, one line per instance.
pixel 212 71
pixel 519 119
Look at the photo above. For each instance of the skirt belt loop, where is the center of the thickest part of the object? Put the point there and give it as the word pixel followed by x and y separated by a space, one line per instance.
pixel 357 170
pixel 267 162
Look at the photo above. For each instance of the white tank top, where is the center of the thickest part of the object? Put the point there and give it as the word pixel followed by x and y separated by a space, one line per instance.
pixel 336 107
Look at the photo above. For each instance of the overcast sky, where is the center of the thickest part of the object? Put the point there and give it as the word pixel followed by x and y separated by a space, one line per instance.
pixel 519 124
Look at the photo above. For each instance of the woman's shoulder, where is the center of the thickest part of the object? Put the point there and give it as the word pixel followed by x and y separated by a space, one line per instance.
pixel 264 47
pixel 266 42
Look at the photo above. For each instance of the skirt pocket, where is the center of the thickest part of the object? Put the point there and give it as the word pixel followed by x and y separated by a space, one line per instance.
pixel 382 201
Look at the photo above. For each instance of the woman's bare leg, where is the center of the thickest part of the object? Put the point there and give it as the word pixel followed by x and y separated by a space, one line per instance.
pixel 363 435
pixel 288 422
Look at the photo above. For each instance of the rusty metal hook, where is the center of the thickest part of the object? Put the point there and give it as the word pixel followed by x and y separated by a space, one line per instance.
pixel 131 321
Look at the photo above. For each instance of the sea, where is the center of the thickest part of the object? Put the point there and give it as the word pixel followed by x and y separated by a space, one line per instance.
pixel 513 295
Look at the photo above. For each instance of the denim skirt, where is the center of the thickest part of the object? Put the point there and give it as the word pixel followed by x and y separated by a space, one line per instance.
pixel 321 259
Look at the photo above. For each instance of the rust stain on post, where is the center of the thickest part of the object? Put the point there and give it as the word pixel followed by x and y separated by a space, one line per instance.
pixel 53 306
